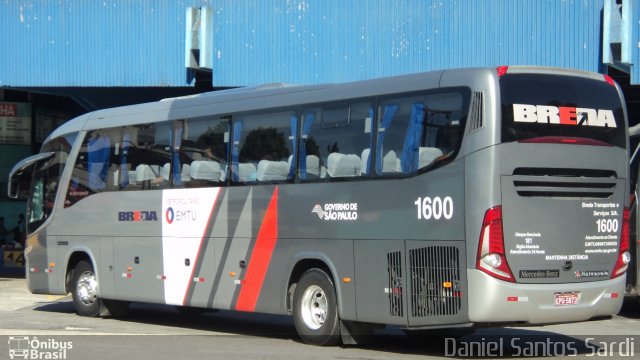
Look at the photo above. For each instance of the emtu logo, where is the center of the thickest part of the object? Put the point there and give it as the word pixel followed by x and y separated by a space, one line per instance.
pixel 169 215
pixel 172 215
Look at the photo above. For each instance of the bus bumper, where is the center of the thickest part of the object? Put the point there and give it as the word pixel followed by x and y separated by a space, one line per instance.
pixel 493 300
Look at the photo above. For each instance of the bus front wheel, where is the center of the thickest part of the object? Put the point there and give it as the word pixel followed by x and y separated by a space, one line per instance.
pixel 84 290
pixel 315 310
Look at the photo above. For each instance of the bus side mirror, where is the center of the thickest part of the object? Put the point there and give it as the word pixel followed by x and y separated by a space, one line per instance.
pixel 20 175
pixel 18 186
pixel 18 189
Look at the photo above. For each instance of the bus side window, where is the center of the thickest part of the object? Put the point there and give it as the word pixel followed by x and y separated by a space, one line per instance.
pixel 335 142
pixel 202 159
pixel 96 166
pixel 46 179
pixel 263 147
pixel 417 132
pixel 148 157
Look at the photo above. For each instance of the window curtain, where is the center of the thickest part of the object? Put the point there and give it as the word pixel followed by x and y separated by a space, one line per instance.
pixel 294 133
pixel 176 143
pixel 389 111
pixel 124 171
pixel 235 150
pixel 367 168
pixel 410 157
pixel 98 149
pixel 306 130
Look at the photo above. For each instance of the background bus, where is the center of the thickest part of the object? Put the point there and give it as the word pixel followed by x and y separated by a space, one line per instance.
pixel 633 274
pixel 439 199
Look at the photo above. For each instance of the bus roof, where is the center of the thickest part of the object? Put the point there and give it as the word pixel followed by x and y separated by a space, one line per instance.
pixel 275 95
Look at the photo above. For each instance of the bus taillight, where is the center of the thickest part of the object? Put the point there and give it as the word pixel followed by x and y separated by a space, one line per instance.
pixel 502 70
pixel 624 257
pixel 609 80
pixel 491 255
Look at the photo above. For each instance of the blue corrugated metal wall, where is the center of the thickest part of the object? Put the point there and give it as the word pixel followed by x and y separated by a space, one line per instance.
pixel 635 40
pixel 93 43
pixel 306 41
pixel 141 42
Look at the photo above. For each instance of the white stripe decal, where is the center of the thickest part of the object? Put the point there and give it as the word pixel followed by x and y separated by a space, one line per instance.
pixel 185 215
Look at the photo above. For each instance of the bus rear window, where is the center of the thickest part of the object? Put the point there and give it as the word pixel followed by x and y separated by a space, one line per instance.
pixel 537 107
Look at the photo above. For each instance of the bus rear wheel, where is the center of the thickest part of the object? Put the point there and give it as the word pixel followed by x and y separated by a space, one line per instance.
pixel 315 310
pixel 84 290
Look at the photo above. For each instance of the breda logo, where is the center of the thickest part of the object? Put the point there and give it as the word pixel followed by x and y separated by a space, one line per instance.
pixel 137 216
pixel 563 115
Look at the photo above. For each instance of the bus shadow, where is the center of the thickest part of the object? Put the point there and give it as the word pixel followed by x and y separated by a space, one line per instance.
pixel 231 322
pixel 484 343
pixel 631 308
pixel 63 307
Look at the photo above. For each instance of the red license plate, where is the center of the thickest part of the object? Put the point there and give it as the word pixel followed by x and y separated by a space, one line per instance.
pixel 562 299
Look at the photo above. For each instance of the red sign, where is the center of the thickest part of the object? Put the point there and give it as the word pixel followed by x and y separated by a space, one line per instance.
pixel 8 110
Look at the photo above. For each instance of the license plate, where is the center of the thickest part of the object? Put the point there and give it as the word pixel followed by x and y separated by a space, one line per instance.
pixel 562 299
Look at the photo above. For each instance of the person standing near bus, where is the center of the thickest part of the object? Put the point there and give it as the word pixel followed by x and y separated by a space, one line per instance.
pixel 3 232
pixel 20 231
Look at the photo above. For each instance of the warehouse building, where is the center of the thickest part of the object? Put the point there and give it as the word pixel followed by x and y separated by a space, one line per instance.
pixel 63 58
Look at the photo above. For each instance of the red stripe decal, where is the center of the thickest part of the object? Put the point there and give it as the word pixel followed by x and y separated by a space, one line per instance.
pixel 260 258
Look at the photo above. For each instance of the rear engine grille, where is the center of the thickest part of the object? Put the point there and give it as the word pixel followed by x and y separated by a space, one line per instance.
pixel 564 183
pixel 394 269
pixel 435 281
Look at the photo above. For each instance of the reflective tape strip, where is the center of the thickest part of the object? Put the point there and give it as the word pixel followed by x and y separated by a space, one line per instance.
pixel 517 298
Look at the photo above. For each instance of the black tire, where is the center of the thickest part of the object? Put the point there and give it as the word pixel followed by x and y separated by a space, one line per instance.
pixel 315 309
pixel 84 290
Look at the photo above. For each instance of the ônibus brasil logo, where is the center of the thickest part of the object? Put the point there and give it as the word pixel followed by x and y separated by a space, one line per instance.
pixel 24 347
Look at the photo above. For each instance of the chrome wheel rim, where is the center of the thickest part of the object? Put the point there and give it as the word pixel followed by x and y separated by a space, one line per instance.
pixel 87 288
pixel 314 307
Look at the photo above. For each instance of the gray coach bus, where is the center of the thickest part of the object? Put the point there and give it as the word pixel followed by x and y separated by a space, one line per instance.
pixel 440 199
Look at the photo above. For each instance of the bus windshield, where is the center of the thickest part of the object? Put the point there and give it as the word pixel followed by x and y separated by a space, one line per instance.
pixel 537 107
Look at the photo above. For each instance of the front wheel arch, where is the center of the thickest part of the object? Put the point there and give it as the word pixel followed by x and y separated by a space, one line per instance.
pixel 72 262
